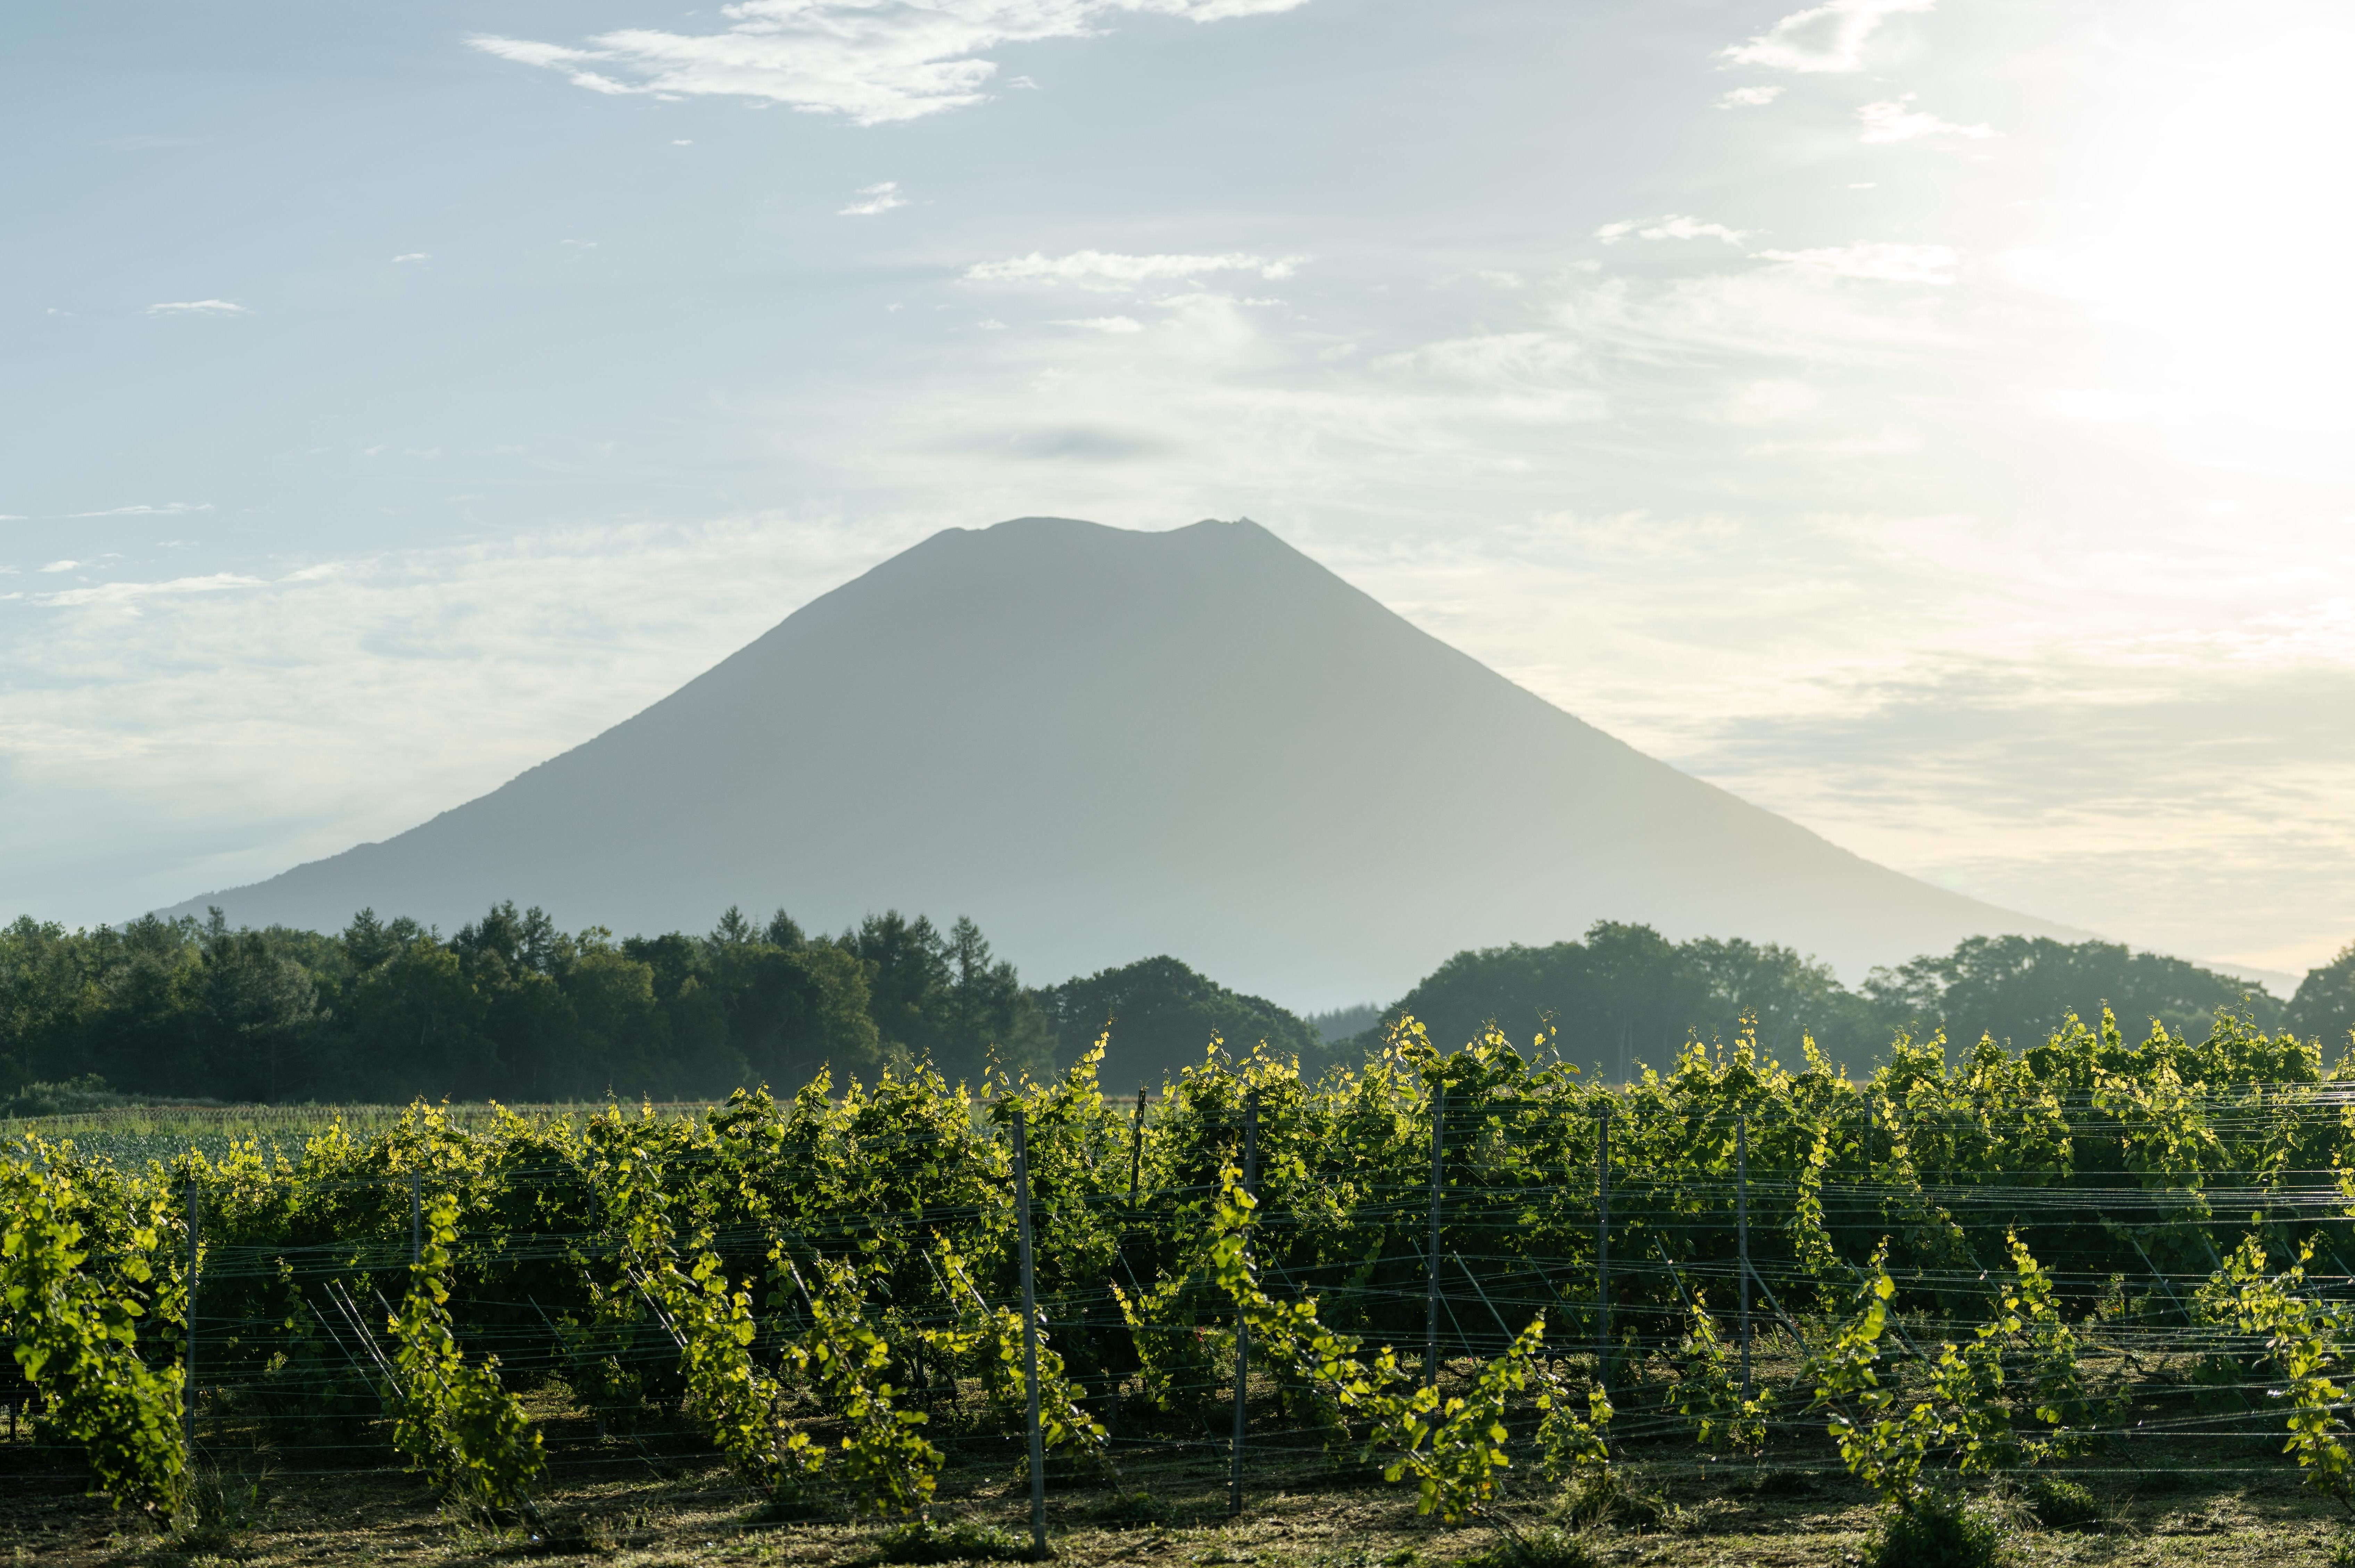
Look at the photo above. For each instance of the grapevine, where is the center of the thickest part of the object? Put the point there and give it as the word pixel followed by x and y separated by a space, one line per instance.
pixel 77 1328
pixel 456 1421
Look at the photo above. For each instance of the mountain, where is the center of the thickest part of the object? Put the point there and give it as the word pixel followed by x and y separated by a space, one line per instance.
pixel 1103 744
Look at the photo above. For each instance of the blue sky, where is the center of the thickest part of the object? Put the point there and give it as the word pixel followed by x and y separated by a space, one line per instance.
pixel 1924 419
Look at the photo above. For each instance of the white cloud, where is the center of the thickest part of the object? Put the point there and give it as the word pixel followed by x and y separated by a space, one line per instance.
pixel 1827 38
pixel 1750 97
pixel 1100 268
pixel 412 256
pixel 1891 120
pixel 198 307
pixel 1669 227
pixel 127 593
pixel 874 60
pixel 164 695
pixel 1112 324
pixel 879 198
pixel 61 566
pixel 1889 263
pixel 168 509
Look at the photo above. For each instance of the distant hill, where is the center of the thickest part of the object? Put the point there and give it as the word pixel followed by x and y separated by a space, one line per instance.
pixel 1102 743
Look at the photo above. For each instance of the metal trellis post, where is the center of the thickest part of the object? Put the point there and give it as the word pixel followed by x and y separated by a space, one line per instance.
pixel 188 1311
pixel 1029 1337
pixel 1742 1236
pixel 1243 1325
pixel 1431 1253
pixel 416 1223
pixel 1603 1244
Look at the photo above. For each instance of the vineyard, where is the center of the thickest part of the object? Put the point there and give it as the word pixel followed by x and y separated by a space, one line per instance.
pixel 1527 1302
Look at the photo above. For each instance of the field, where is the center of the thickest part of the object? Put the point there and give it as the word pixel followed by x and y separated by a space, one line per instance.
pixel 2094 1288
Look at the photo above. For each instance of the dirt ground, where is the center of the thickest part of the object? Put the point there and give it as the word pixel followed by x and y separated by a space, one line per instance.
pixel 628 1504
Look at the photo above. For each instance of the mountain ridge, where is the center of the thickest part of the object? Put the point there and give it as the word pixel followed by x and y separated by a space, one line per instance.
pixel 1103 743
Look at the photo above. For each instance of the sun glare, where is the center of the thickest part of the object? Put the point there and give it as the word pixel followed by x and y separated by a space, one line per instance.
pixel 2210 238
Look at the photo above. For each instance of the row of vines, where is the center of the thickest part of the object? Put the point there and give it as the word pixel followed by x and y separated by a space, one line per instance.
pixel 1453 1267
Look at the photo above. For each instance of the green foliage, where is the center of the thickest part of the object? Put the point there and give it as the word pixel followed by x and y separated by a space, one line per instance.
pixel 2060 1504
pixel 1940 1530
pixel 1963 1415
pixel 86 1093
pixel 1452 1445
pixel 990 1341
pixel 1709 1392
pixel 1545 1546
pixel 454 1418
pixel 2323 1007
pixel 77 1328
pixel 509 1007
pixel 924 1541
pixel 1157 1013
pixel 807 1278
pixel 887 1466
pixel 2305 1342
pixel 1623 996
pixel 2022 987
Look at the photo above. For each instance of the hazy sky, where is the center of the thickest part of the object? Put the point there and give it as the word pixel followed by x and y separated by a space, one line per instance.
pixel 1927 420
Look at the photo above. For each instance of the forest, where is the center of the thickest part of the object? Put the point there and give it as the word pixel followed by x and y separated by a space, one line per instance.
pixel 512 1008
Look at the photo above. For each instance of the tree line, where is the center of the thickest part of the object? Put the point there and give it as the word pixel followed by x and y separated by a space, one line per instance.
pixel 511 1007
pixel 1625 997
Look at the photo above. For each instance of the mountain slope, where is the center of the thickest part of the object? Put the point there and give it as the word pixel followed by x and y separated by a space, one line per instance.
pixel 1102 744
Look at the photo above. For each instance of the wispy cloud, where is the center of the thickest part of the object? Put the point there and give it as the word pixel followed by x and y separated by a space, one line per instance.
pixel 879 198
pixel 1671 227
pixel 169 509
pixel 126 594
pixel 1750 97
pixel 1827 38
pixel 412 256
pixel 1938 264
pixel 873 61
pixel 1112 324
pixel 198 307
pixel 1107 267
pixel 160 691
pixel 1892 121
pixel 61 566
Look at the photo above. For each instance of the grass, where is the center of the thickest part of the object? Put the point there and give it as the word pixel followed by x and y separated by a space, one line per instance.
pixel 131 1135
pixel 2058 1503
pixel 966 1541
pixel 1941 1531
pixel 606 1505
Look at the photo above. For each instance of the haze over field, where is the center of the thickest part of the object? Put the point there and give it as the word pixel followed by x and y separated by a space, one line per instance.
pixel 1921 419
